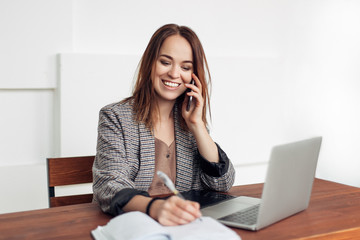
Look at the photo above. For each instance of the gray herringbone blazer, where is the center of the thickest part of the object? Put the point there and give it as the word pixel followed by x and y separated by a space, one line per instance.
pixel 125 157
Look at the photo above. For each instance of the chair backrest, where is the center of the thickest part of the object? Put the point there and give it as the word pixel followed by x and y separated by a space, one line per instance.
pixel 68 171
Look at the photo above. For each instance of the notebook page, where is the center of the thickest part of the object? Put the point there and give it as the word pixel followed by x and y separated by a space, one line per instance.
pixel 131 226
pixel 205 228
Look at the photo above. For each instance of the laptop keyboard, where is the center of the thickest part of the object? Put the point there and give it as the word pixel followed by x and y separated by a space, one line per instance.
pixel 246 216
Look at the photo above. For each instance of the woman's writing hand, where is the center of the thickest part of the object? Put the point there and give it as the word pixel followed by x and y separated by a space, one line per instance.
pixel 175 211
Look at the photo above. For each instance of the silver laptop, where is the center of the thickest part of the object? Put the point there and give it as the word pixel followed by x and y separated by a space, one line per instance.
pixel 286 191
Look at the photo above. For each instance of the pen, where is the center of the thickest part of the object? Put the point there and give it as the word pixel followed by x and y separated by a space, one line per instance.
pixel 169 184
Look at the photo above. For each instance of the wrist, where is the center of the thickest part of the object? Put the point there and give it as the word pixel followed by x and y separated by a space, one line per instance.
pixel 198 128
pixel 151 208
pixel 150 203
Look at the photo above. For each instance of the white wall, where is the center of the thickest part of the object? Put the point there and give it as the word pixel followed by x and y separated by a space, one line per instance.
pixel 312 89
pixel 31 34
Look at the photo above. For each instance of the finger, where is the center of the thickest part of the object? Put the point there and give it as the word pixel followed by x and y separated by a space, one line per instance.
pixel 198 97
pixel 196 205
pixel 188 209
pixel 197 81
pixel 167 221
pixel 193 87
pixel 185 215
pixel 185 103
pixel 173 215
pixel 193 208
pixel 185 209
pixel 196 85
pixel 165 215
pixel 180 217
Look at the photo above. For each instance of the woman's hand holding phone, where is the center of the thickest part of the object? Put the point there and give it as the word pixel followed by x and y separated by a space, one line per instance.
pixel 193 108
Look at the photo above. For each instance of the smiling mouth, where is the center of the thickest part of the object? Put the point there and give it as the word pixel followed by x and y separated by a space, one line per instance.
pixel 171 84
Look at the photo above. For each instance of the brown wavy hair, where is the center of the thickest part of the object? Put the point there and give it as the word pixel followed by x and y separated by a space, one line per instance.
pixel 144 106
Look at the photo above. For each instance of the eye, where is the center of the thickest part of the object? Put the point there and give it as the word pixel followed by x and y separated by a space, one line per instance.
pixel 186 68
pixel 164 62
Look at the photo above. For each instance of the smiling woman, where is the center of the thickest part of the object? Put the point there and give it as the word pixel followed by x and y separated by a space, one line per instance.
pixel 154 131
pixel 158 52
pixel 173 69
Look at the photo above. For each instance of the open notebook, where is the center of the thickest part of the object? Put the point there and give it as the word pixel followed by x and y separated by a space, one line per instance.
pixel 139 226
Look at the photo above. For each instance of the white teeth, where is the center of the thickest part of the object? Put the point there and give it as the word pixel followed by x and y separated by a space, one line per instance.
pixel 171 84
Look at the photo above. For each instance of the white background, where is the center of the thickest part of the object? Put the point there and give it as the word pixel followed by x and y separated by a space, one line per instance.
pixel 282 71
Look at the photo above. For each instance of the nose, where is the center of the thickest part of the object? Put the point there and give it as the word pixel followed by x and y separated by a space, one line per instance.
pixel 174 72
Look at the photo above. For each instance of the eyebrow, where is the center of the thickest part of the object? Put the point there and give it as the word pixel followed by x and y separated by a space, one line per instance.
pixel 167 56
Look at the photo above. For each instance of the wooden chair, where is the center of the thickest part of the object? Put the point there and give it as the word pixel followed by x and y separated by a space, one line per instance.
pixel 68 171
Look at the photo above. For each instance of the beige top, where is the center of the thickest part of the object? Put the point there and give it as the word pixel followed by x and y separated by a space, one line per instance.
pixel 165 161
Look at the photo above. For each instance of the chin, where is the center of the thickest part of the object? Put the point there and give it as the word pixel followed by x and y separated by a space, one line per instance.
pixel 169 97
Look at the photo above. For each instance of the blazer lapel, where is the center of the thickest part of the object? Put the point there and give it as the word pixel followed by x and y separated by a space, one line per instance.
pixel 147 158
pixel 184 157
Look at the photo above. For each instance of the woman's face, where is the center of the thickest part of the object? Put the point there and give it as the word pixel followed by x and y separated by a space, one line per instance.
pixel 173 68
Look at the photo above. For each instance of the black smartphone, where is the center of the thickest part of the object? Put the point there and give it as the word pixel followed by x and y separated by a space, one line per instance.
pixel 191 97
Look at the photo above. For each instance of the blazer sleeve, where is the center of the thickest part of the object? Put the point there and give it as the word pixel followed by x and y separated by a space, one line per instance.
pixel 111 169
pixel 217 176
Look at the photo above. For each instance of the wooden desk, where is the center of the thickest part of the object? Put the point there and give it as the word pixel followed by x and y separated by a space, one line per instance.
pixel 334 213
